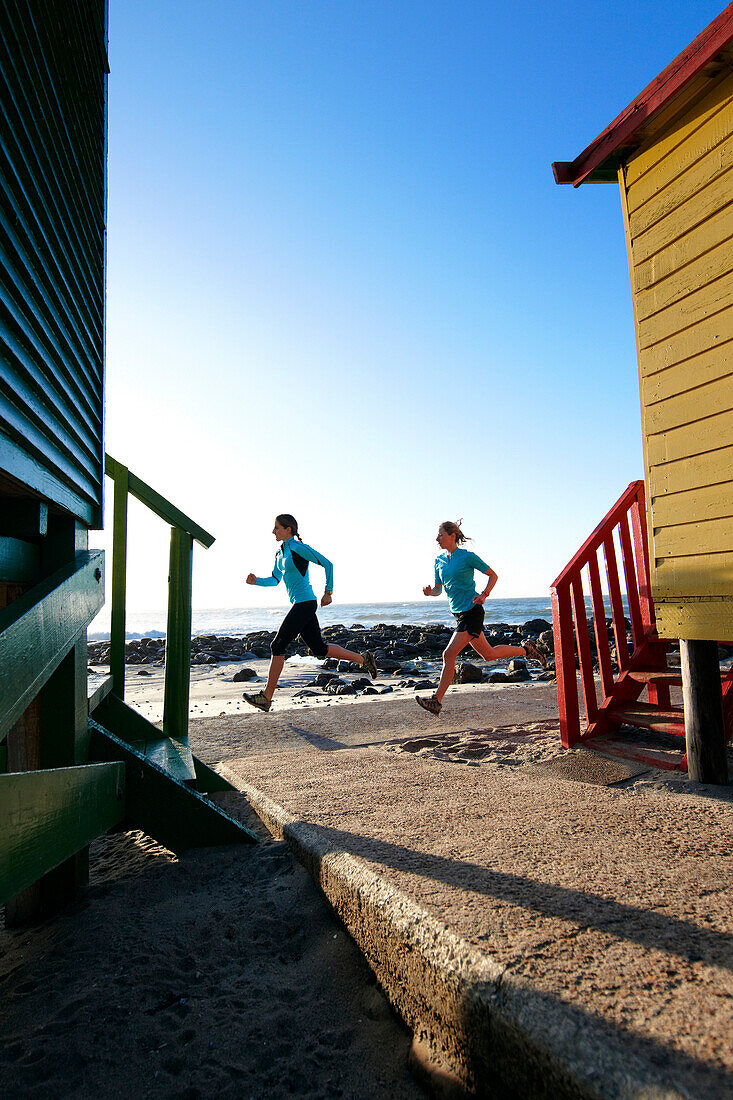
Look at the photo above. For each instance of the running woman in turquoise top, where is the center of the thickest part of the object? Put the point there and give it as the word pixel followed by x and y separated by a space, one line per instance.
pixel 454 571
pixel 291 566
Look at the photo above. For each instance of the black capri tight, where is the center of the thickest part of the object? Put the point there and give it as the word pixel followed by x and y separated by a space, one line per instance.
pixel 300 619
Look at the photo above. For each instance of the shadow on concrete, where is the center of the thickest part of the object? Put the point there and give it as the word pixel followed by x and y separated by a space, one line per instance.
pixel 647 927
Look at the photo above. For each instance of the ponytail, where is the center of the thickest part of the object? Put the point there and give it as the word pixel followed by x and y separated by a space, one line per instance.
pixel 451 528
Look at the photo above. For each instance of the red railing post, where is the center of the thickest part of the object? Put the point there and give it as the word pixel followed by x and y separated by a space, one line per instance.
pixel 567 683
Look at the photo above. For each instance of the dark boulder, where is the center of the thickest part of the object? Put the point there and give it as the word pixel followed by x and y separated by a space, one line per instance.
pixel 468 673
pixel 243 675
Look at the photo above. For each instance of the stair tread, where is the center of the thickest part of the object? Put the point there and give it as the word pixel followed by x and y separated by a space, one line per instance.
pixel 649 709
pixel 656 675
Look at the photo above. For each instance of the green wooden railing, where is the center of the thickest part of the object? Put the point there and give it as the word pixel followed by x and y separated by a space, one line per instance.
pixel 184 532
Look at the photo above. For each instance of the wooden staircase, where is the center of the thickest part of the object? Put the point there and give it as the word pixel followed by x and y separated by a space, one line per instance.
pixel 639 661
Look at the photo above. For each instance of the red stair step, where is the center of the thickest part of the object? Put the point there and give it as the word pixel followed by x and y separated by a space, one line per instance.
pixel 648 716
pixel 669 676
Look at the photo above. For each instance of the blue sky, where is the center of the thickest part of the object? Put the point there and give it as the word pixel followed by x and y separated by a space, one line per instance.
pixel 343 283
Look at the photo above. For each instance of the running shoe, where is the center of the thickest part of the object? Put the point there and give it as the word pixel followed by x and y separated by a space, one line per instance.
pixel 431 705
pixel 532 651
pixel 370 665
pixel 259 700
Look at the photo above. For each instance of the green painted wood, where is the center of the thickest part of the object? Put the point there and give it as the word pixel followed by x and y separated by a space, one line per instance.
pixel 98 688
pixel 53 197
pixel 162 507
pixel 208 781
pixel 19 561
pixel 173 757
pixel 23 519
pixel 3 758
pixel 48 816
pixel 120 476
pixel 171 812
pixel 178 636
pixel 40 628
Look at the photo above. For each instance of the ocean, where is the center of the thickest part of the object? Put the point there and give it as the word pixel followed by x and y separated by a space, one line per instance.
pixel 244 620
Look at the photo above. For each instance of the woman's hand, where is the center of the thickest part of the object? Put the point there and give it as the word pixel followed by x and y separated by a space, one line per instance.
pixel 326 599
pixel 480 600
pixel 251 578
pixel 427 590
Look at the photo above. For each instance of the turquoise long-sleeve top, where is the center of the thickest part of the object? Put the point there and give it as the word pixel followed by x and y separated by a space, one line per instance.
pixel 291 566
pixel 454 572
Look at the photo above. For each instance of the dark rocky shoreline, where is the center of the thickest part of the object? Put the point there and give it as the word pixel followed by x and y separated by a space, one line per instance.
pixel 396 647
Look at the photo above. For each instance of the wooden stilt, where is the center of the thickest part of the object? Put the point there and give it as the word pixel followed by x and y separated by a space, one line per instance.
pixel 704 726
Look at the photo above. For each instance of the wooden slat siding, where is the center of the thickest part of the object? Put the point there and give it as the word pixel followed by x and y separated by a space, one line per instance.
pixel 712 536
pixel 677 255
pixel 679 285
pixel 656 162
pixel 675 412
pixel 692 620
pixel 699 208
pixel 697 505
pixel 696 437
pixel 699 471
pixel 715 362
pixel 708 300
pixel 694 578
pixel 658 191
pixel 52 212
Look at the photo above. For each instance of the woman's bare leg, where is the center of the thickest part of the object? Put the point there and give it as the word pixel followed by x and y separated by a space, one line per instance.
pixel 345 655
pixel 457 643
pixel 495 652
pixel 273 675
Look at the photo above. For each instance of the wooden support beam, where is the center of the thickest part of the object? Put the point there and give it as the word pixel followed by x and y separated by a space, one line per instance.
pixel 703 701
pixel 171 812
pixel 19 561
pixel 38 630
pixel 23 519
pixel 178 636
pixel 48 816
pixel 120 476
pixel 158 504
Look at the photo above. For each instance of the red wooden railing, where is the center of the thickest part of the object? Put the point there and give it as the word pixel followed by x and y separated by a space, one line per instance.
pixel 625 522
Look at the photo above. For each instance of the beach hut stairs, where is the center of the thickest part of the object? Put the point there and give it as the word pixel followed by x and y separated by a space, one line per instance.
pixel 630 657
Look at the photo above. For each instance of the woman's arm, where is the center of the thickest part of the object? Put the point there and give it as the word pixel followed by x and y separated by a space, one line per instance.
pixel 493 578
pixel 267 582
pixel 310 554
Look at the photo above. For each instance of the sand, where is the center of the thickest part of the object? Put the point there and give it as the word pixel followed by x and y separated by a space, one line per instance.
pixel 223 973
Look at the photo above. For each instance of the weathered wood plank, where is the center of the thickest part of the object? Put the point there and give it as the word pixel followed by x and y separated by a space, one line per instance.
pixel 711 434
pixel 697 306
pixel 672 292
pixel 48 816
pixel 39 628
pixel 683 251
pixel 120 477
pixel 173 757
pixel 700 206
pixel 713 536
pixel 691 406
pixel 691 472
pixel 711 332
pixel 714 363
pixel 694 506
pixel 696 576
pixel 98 688
pixel 697 621
pixel 704 725
pixel 665 206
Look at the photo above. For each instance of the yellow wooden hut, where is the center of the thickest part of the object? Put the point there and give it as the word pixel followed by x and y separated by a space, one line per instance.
pixel 671 151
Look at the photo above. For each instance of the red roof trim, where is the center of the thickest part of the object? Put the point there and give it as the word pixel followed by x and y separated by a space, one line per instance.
pixel 716 36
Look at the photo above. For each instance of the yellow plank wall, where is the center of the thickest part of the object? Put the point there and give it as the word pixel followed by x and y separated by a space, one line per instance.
pixel 677 195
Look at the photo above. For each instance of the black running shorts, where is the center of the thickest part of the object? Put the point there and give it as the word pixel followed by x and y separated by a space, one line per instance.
pixel 300 619
pixel 471 621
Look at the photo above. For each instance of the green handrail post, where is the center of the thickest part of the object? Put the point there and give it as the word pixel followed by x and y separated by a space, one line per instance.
pixel 120 477
pixel 178 636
